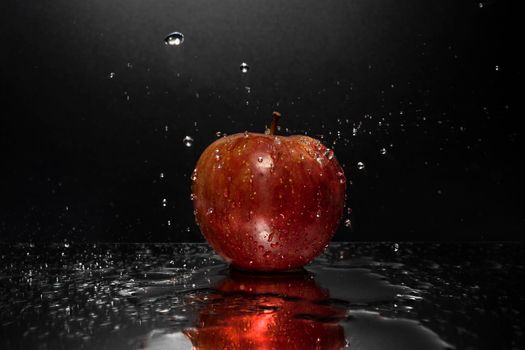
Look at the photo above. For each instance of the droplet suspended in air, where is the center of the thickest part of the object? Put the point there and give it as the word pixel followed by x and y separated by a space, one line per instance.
pixel 382 151
pixel 174 39
pixel 188 141
pixel 360 165
pixel 111 75
pixel 244 67
pixel 497 68
pixel 164 202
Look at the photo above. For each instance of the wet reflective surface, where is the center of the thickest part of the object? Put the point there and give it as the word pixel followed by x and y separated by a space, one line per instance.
pixel 178 296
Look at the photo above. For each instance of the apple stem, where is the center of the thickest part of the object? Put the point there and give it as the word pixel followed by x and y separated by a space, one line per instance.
pixel 275 119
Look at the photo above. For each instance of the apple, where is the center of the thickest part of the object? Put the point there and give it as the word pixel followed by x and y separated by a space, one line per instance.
pixel 277 311
pixel 268 202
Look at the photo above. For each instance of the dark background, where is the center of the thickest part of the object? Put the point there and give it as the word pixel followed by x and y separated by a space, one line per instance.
pixel 429 81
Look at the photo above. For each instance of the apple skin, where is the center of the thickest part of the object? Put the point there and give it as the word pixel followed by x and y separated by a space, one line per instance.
pixel 257 311
pixel 268 202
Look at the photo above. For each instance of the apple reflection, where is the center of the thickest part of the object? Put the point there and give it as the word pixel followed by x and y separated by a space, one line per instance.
pixel 277 311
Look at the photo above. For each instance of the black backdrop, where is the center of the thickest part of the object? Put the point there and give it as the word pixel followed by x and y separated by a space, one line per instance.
pixel 97 108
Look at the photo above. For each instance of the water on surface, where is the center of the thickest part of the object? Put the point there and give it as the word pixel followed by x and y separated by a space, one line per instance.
pixel 174 296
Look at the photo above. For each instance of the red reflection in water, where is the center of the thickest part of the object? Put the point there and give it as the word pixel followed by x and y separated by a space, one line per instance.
pixel 268 312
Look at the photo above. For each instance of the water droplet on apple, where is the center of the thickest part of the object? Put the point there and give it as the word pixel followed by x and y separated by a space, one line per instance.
pixel 209 211
pixel 267 254
pixel 246 134
pixel 360 165
pixel 260 159
pixel 194 175
pixel 174 39
pixel 277 140
pixel 218 134
pixel 188 141
pixel 329 154
pixel 244 67
pixel 193 196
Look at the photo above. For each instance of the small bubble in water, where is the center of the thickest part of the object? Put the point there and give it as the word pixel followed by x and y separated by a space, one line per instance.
pixel 360 165
pixel 497 68
pixel 244 67
pixel 111 75
pixel 480 5
pixel 164 202
pixel 174 39
pixel 382 151
pixel 188 141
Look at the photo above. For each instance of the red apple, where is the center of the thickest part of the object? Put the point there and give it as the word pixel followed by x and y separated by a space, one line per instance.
pixel 267 202
pixel 254 311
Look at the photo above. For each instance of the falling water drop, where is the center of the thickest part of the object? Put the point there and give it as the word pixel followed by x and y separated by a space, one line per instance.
pixel 164 202
pixel 360 165
pixel 382 151
pixel 244 67
pixel 188 141
pixel 174 39
pixel 111 75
